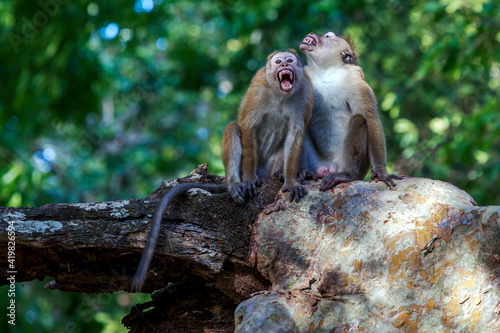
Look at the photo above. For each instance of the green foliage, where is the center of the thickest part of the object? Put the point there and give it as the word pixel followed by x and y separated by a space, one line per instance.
pixel 59 311
pixel 85 117
pixel 89 116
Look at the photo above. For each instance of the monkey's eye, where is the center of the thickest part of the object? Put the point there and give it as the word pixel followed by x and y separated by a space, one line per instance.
pixel 278 61
pixel 329 34
pixel 289 60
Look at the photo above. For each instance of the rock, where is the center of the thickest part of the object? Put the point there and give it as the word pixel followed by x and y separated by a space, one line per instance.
pixel 423 257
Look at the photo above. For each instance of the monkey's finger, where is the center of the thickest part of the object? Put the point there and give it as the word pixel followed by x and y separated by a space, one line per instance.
pixel 306 175
pixel 327 183
pixel 239 199
pixel 303 192
pixel 311 175
pixel 251 189
pixel 300 192
pixel 254 188
pixel 238 195
pixel 396 176
pixel 388 181
pixel 392 182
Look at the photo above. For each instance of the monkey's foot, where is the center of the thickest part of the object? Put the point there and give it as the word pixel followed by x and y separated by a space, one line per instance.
pixel 304 175
pixel 333 179
pixel 386 178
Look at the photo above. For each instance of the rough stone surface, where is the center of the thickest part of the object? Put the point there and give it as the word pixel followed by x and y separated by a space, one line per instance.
pixel 422 258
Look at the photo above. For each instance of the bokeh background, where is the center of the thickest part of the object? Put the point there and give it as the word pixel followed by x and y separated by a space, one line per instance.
pixel 102 100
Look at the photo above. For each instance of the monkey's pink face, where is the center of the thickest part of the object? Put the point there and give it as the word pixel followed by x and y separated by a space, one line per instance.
pixel 284 69
pixel 327 50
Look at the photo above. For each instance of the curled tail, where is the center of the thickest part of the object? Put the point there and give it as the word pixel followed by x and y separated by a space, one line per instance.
pixel 147 255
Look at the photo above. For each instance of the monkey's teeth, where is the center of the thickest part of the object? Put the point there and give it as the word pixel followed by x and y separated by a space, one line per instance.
pixel 310 41
pixel 285 72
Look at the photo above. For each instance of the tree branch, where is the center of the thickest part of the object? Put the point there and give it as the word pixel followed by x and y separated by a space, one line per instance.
pixel 95 247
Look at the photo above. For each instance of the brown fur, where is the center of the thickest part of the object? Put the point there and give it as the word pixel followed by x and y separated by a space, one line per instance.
pixel 263 110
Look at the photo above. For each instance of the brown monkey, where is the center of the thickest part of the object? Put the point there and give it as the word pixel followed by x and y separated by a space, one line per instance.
pixel 345 133
pixel 268 137
pixel 272 120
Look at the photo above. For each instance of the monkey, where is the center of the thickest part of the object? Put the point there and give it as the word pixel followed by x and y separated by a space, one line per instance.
pixel 345 134
pixel 266 139
pixel 272 120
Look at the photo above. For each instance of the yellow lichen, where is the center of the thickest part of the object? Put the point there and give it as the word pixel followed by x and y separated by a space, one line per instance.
pixel 401 320
pixel 430 305
pixel 397 260
pixel 358 265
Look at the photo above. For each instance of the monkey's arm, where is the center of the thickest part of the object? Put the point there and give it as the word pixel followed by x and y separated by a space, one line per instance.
pixel 249 160
pixel 293 148
pixel 376 139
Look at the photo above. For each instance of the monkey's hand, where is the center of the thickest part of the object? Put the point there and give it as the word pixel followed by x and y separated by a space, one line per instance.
pixel 303 175
pixel 251 186
pixel 382 174
pixel 297 192
pixel 237 191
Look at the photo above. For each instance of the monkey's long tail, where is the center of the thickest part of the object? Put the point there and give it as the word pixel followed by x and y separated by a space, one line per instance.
pixel 147 255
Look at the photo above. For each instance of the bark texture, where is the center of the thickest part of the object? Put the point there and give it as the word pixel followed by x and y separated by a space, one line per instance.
pixel 95 248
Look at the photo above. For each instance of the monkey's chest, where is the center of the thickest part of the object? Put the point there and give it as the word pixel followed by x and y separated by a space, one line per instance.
pixel 329 125
pixel 271 135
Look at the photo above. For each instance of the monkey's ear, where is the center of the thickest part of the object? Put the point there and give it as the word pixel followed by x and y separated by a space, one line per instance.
pixel 348 58
pixel 350 41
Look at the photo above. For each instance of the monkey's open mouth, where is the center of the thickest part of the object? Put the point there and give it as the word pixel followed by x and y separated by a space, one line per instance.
pixel 308 43
pixel 309 40
pixel 285 77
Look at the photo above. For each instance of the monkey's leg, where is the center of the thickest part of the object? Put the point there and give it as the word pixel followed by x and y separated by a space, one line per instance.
pixel 355 158
pixel 308 162
pixel 232 157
